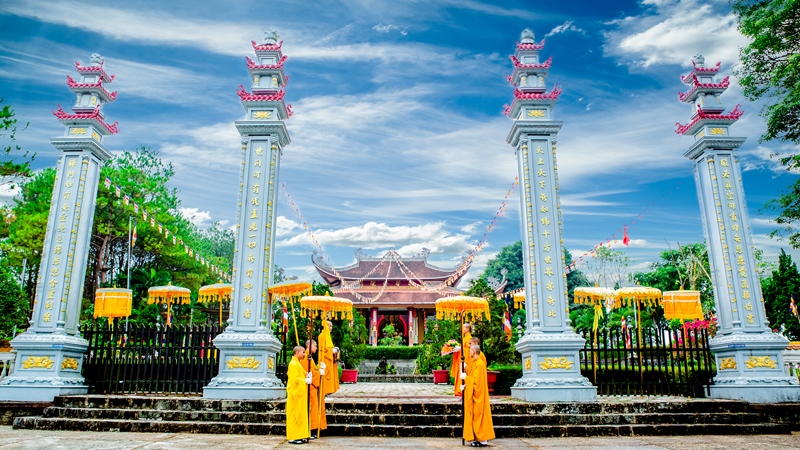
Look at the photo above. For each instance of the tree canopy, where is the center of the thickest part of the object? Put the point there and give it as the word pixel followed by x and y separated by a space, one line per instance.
pixel 15 162
pixel 778 291
pixel 770 67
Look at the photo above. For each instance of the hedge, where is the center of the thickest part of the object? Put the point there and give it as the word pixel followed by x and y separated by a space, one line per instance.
pixel 506 378
pixel 391 352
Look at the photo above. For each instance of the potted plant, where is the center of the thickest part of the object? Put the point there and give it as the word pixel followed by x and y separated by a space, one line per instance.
pixel 352 347
pixel 491 378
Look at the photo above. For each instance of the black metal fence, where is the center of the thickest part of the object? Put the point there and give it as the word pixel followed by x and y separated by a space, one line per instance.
pixel 661 362
pixel 148 359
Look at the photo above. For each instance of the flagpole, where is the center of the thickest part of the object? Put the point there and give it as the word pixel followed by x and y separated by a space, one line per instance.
pixel 128 268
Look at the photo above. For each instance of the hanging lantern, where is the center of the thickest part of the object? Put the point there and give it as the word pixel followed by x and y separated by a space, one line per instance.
pixel 112 302
pixel 639 295
pixel 683 305
pixel 519 300
pixel 289 290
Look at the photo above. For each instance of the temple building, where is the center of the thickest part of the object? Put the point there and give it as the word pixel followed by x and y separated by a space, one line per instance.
pixel 393 290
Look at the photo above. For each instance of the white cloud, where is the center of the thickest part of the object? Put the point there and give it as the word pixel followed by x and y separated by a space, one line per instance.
pixel 9 188
pixel 380 28
pixel 674 32
pixel 563 28
pixel 200 219
pixel 407 240
pixel 472 227
pixel 285 226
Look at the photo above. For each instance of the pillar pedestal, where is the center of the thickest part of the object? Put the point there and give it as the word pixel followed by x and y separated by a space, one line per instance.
pixel 551 369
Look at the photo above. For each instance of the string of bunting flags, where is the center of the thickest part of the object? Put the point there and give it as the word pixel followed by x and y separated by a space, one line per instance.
pixel 162 230
pixel 641 216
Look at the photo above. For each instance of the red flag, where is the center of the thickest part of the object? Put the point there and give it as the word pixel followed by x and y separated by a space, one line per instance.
pixel 793 306
pixel 285 319
pixel 625 238
pixel 133 235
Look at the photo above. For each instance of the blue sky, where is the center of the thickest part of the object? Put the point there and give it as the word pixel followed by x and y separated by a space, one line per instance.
pixel 398 137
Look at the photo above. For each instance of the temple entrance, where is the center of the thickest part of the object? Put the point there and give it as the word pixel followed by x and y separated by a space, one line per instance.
pixel 398 324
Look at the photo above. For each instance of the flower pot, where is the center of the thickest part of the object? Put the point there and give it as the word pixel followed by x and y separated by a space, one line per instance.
pixel 5 345
pixel 491 378
pixel 349 375
pixel 441 376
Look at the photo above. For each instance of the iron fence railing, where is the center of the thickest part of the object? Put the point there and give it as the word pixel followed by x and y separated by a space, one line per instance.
pixel 145 359
pixel 663 362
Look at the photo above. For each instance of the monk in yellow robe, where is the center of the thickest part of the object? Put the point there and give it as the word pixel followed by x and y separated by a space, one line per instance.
pixel 478 426
pixel 475 341
pixel 456 369
pixel 318 421
pixel 327 355
pixel 297 381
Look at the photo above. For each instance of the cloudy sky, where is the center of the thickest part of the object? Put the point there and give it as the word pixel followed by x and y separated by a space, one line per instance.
pixel 398 137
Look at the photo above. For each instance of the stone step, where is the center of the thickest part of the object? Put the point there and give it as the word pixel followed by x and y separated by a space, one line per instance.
pixel 424 407
pixel 404 419
pixel 502 431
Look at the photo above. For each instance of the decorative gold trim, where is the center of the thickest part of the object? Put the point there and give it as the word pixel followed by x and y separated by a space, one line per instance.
pixel 717 131
pixel 37 362
pixel 96 136
pixel 69 363
pixel 555 363
pixel 727 363
pixel 77 131
pixel 528 364
pixel 261 115
pixel 761 361
pixel 243 362
pixel 536 113
pixel 271 363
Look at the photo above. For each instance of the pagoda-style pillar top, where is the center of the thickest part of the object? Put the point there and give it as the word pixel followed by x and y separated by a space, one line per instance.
pixel 531 99
pixel 527 36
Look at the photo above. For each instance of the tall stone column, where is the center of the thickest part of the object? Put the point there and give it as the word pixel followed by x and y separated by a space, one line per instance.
pixel 550 358
pixel 248 347
pixel 50 352
pixel 748 354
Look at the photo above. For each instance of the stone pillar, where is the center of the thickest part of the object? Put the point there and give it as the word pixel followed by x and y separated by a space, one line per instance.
pixel 411 326
pixel 50 352
pixel 248 347
pixel 748 354
pixel 373 330
pixel 549 348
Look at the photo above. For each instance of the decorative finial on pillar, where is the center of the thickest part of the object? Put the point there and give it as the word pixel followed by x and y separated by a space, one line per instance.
pixel 271 36
pixel 527 36
pixel 698 60
pixel 96 59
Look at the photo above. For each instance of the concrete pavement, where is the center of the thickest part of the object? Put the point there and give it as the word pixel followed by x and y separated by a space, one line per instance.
pixel 57 440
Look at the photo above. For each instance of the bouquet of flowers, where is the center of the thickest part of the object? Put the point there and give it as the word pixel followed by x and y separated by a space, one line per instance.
pixel 450 346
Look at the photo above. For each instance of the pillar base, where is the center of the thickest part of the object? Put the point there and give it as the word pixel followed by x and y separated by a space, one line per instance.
pixel 246 368
pixel 551 369
pixel 47 365
pixel 750 368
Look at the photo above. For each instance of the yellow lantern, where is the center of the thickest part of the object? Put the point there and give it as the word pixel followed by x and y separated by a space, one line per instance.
pixel 683 305
pixel 169 295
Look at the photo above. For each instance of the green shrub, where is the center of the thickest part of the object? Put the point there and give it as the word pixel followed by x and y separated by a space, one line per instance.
pixel 391 352
pixel 509 374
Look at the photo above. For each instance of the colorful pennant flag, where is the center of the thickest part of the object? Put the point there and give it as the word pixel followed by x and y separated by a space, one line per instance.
pixel 107 183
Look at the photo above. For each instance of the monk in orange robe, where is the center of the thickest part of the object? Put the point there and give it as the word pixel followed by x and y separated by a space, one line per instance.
pixel 297 398
pixel 478 426
pixel 327 355
pixel 318 421
pixel 456 369
pixel 475 341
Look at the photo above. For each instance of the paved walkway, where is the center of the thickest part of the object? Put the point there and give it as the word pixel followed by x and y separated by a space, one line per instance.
pixel 70 440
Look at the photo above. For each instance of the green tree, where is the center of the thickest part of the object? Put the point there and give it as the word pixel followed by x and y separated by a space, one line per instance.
pixel 608 268
pixel 770 67
pixel 15 163
pixel 493 339
pixel 26 225
pixel 686 267
pixel 14 305
pixel 510 259
pixel 778 291
pixel 390 337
